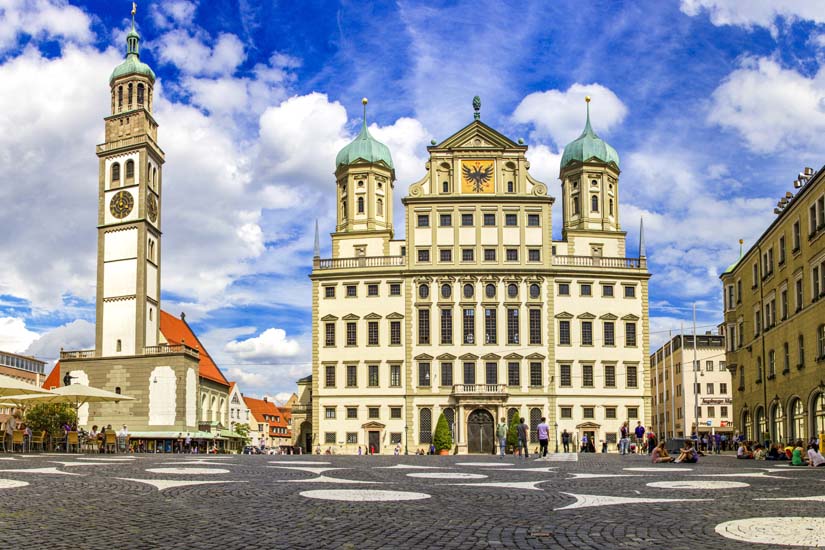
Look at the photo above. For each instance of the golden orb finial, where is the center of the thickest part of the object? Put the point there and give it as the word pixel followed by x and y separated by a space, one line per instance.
pixel 364 101
pixel 587 99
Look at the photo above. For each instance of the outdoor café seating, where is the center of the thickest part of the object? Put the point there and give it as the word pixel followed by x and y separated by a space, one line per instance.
pixel 111 442
pixel 72 440
pixel 18 439
pixel 38 441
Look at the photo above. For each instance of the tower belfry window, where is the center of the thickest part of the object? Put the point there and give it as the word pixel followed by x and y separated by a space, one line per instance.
pixel 119 98
pixel 594 203
pixel 130 171
pixel 360 205
pixel 379 207
pixel 116 174
pixel 129 96
pixel 140 95
pixel 576 207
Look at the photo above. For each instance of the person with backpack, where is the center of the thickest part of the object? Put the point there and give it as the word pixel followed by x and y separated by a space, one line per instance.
pixel 523 432
pixel 501 433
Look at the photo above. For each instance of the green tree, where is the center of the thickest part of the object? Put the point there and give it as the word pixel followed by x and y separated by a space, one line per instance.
pixel 442 439
pixel 243 431
pixel 50 417
pixel 512 433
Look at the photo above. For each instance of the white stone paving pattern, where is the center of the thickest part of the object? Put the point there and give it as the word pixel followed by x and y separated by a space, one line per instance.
pixel 697 485
pixel 590 501
pixel 446 475
pixel 163 484
pixel 188 471
pixel 11 483
pixel 808 532
pixel 356 495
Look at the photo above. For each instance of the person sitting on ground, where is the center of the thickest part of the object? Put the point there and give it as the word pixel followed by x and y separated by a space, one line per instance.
pixel 815 458
pixel 759 452
pixel 743 452
pixel 774 453
pixel 660 454
pixel 688 454
pixel 789 451
pixel 796 456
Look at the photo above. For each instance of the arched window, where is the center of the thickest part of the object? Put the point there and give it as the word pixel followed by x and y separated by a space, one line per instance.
pixel 117 390
pixel 150 313
pixel 129 95
pixel 820 342
pixel 130 171
pixel 535 420
pixel 468 290
pixel 817 418
pixel 761 425
pixel 118 346
pixel 425 426
pixel 360 205
pixel 594 203
pixel 379 207
pixel 140 95
pixel 446 290
pixel 445 186
pixel 747 425
pixel 119 98
pixel 611 207
pixel 535 290
pixel 344 209
pixel 423 291
pixel 155 179
pixel 576 207
pixel 777 423
pixel 510 414
pixel 449 415
pixel 797 411
pixel 490 290
pixel 116 174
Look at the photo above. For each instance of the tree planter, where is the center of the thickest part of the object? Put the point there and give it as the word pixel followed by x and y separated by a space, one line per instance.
pixel 444 452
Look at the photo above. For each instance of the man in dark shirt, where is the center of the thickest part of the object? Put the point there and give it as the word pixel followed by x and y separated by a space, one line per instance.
pixel 523 432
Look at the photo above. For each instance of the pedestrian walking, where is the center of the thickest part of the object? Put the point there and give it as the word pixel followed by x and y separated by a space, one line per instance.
pixel 640 436
pixel 501 433
pixel 623 438
pixel 565 441
pixel 584 443
pixel 523 432
pixel 543 433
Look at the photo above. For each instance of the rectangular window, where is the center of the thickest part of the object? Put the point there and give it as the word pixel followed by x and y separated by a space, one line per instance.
pixel 709 388
pixel 329 292
pixel 395 333
pixel 711 412
pixel 535 374
pixel 352 376
pixel 372 290
pixel 564 333
pixel 630 334
pixel 329 438
pixel 587 376
pixel 329 412
pixel 633 412
pixel 610 376
pixel 329 381
pixel 782 250
pixel 446 255
pixel 423 326
pixel 447 325
pixel 512 326
pixel 395 438
pixel 467 255
pixel 424 255
pixel 489 254
pixel 491 373
pixel 783 301
pixel 466 220
pixel 535 326
pixel 352 413
pixel 709 366
pixel 585 290
pixel 796 234
pixel 723 388
pixel 512 254
pixel 588 412
pixel 423 220
pixel 395 376
pixel 372 333
pixel 423 374
pixel 395 412
pixel 607 291
pixel 630 292
pixel 510 220
pixel 565 377
pixel 489 219
pixel 445 220
pixel 469 325
pixel 372 378
pixel 533 220
pixel 534 255
pixel 352 334
pixel 329 334
pixel 723 411
pixel 799 294
pixel 610 412
pixel 352 291
pixel 564 289
pixel 513 375
pixel 632 378
pixel 373 412
pixel 566 412
pixel 469 373
pixel 395 289
pixel 587 333
pixel 609 333
pixel 490 325
pixel 446 374
pixel 352 438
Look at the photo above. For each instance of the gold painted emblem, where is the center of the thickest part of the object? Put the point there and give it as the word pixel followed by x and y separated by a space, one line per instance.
pixel 478 176
pixel 121 204
pixel 152 208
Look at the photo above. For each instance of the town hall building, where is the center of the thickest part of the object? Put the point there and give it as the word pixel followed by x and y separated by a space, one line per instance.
pixel 478 313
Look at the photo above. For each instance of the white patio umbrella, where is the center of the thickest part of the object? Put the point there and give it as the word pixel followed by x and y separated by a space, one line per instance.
pixel 13 386
pixel 76 395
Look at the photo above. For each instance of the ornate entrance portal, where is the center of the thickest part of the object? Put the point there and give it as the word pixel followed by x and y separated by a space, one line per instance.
pixel 480 432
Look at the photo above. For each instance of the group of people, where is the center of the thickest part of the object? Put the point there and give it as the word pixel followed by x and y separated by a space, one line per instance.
pixel 689 454
pixel 796 454
pixel 523 438
pixel 14 424
pixel 98 436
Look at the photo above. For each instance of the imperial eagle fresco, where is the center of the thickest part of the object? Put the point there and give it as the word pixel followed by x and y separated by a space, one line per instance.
pixel 477 176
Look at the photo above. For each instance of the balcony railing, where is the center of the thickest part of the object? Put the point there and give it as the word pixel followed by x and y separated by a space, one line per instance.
pixel 479 389
pixel 125 142
pixel 597 261
pixel 302 409
pixel 77 354
pixel 362 261
pixel 163 349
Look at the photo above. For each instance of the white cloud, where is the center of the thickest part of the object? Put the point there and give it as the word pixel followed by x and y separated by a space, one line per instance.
pixel 14 336
pixel 42 19
pixel 270 345
pixel 560 115
pixel 245 379
pixel 771 107
pixel 173 12
pixel 750 13
pixel 76 335
pixel 192 55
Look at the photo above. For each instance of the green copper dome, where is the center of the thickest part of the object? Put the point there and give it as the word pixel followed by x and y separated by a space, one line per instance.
pixel 588 145
pixel 364 147
pixel 132 64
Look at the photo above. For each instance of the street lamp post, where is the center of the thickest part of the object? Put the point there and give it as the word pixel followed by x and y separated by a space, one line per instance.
pixel 406 441
pixel 556 431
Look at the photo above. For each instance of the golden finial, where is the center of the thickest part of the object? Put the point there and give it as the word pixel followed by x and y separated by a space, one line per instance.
pixel 364 101
pixel 134 8
pixel 587 99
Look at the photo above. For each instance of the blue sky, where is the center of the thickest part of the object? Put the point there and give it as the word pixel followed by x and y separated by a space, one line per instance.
pixel 713 106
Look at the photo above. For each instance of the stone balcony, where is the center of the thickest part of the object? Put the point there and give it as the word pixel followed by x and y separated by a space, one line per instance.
pixel 359 262
pixel 480 392
pixel 601 262
pixel 161 349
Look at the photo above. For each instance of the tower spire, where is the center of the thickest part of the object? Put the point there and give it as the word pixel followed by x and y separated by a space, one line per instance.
pixel 364 102
pixel 317 249
pixel 133 38
pixel 587 128
pixel 134 11
pixel 642 251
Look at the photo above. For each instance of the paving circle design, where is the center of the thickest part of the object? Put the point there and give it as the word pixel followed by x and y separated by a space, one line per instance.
pixel 299 462
pixel 663 469
pixel 446 475
pixel 486 464
pixel 698 485
pixel 11 483
pixel 188 471
pixel 781 531
pixel 364 495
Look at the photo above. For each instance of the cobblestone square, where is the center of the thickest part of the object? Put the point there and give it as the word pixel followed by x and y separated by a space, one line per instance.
pixel 567 501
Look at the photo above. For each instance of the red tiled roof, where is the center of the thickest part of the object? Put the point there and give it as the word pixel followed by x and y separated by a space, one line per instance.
pixel 261 409
pixel 53 379
pixel 177 331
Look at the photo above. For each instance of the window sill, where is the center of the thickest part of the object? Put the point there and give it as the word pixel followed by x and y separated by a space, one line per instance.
pixel 786 371
pixel 741 388
pixel 771 376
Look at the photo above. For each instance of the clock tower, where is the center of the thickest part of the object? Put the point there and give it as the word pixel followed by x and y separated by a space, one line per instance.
pixel 129 199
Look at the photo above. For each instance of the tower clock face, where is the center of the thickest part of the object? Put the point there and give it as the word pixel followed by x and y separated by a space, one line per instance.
pixel 152 208
pixel 121 204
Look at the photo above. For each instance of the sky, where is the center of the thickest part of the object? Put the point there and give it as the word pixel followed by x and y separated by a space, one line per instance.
pixel 714 106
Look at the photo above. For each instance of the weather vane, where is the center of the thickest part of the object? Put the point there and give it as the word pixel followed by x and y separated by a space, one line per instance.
pixel 134 8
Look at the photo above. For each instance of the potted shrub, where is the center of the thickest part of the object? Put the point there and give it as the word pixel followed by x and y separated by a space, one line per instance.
pixel 512 434
pixel 442 439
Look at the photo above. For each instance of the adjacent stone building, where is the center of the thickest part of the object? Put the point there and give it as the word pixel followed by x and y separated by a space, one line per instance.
pixel 478 313
pixel 775 320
